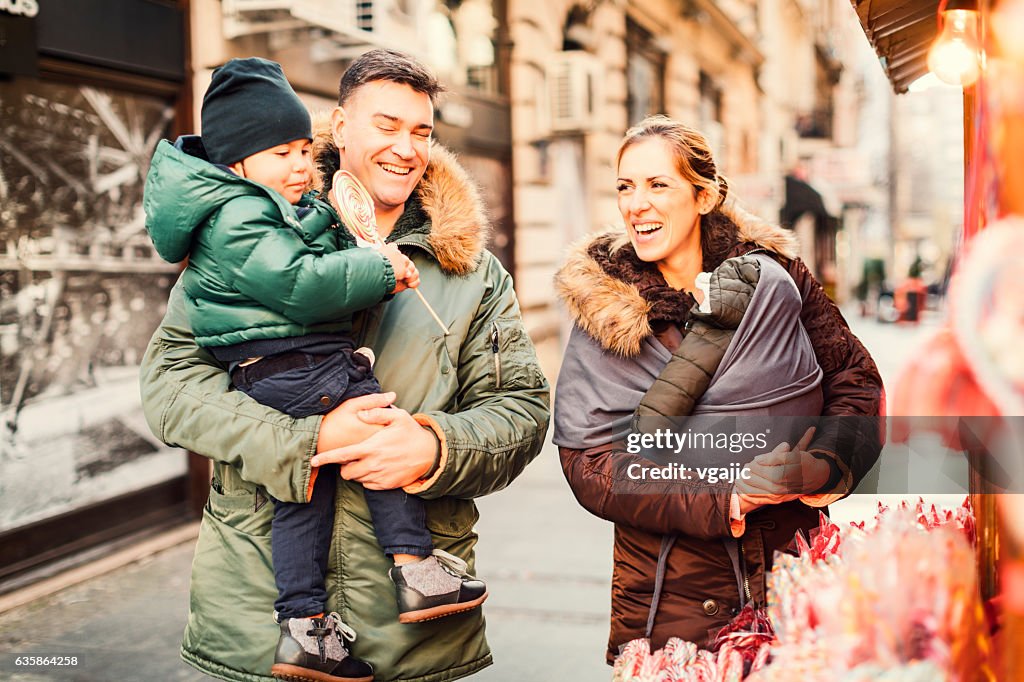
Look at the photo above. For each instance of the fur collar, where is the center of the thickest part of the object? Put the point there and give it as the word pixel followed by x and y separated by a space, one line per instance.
pixel 613 311
pixel 459 227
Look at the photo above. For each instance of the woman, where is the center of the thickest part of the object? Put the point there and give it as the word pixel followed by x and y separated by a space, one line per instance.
pixel 687 560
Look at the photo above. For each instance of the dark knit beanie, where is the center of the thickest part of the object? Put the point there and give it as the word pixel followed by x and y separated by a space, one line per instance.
pixel 250 107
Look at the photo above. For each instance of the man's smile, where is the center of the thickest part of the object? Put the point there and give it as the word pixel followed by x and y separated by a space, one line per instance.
pixel 396 170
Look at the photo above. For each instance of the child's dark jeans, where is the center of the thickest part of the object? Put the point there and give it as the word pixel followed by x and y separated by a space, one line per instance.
pixel 302 384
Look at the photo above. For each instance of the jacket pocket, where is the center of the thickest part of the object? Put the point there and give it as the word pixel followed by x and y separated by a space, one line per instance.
pixel 451 517
pixel 230 621
pixel 246 511
pixel 513 361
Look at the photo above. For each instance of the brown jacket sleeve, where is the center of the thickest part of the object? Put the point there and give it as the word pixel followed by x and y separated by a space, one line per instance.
pixel 599 479
pixel 851 384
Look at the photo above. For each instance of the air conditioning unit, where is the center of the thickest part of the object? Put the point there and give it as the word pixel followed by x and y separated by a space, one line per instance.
pixel 336 16
pixel 354 16
pixel 574 91
pixel 248 17
pixel 349 23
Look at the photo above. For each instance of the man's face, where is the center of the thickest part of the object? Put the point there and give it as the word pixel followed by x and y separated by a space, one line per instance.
pixel 383 137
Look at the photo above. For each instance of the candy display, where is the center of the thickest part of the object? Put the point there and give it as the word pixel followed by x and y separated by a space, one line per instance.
pixel 892 599
pixel 748 633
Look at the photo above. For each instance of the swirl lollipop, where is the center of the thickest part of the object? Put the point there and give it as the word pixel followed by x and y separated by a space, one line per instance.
pixel 356 208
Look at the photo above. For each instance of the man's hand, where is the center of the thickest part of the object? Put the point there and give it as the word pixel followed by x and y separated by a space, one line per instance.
pixel 397 455
pixel 341 426
pixel 782 475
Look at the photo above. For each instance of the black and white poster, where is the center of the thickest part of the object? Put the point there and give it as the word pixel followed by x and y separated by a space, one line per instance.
pixel 81 291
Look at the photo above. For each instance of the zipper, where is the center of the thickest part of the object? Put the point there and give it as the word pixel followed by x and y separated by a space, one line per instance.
pixel 743 570
pixel 497 354
pixel 409 241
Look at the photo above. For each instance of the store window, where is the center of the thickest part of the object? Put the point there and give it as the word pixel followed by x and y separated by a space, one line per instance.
pixel 81 291
pixel 645 74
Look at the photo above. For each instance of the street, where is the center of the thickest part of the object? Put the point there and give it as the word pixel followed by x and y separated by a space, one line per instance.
pixel 892 346
pixel 547 561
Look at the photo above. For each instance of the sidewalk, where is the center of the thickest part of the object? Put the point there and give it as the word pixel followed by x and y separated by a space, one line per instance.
pixel 124 626
pixel 548 563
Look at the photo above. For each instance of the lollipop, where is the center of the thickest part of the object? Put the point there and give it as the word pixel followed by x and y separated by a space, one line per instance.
pixel 356 208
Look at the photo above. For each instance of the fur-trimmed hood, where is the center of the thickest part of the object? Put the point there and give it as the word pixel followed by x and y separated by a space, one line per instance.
pixel 459 229
pixel 614 312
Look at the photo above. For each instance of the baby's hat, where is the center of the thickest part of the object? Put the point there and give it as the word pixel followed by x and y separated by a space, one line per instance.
pixel 250 107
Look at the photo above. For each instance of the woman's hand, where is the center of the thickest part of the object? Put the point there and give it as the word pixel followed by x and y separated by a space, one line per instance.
pixel 782 475
pixel 342 425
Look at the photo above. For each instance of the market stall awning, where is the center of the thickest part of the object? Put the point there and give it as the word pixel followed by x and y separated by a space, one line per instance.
pixel 901 31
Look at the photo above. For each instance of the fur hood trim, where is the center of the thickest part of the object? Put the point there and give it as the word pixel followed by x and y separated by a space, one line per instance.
pixel 459 229
pixel 612 311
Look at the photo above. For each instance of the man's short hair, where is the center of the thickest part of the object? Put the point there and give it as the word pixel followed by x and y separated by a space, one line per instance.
pixel 388 65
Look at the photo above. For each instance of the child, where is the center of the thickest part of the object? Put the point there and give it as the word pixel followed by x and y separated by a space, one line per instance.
pixel 271 286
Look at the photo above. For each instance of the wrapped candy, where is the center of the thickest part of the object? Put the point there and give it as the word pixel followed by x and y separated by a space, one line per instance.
pixel 825 542
pixel 679 661
pixel 747 634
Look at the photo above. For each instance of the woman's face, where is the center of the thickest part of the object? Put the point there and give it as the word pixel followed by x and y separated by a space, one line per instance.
pixel 657 204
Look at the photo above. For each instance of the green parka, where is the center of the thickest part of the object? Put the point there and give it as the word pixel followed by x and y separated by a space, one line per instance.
pixel 255 271
pixel 481 390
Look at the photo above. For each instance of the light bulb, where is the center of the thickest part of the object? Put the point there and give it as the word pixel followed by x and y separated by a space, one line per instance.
pixel 954 56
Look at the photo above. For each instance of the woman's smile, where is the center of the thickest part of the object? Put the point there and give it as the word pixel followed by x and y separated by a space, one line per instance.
pixel 645 231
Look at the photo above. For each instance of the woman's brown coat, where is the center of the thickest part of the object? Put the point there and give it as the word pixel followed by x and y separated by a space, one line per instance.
pixel 709 573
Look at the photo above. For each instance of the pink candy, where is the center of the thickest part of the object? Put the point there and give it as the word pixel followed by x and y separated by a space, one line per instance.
pixel 897 597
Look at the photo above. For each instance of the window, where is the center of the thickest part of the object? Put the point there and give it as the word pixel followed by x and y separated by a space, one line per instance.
pixel 710 109
pixel 709 113
pixel 645 74
pixel 82 291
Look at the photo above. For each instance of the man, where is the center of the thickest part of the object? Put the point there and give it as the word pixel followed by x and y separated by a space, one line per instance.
pixel 472 407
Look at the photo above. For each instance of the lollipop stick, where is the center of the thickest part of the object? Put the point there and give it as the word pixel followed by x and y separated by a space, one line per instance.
pixel 431 311
pixel 356 208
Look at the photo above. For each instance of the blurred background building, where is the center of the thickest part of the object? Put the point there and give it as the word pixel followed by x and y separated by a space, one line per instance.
pixel 787 91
